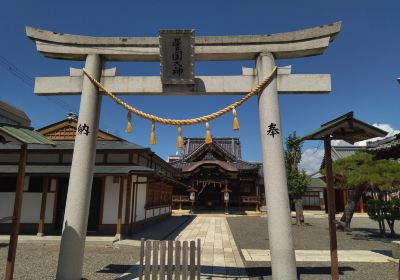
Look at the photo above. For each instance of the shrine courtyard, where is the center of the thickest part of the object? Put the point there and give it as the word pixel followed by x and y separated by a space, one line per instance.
pixel 233 247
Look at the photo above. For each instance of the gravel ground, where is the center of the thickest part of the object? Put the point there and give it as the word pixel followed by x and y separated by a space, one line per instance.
pixel 314 236
pixel 39 261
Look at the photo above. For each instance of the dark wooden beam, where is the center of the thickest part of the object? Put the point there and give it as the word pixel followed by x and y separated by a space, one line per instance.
pixel 45 188
pixel 120 201
pixel 12 247
pixel 128 200
pixel 331 209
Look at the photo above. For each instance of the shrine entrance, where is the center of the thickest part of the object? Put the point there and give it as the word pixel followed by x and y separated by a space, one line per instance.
pixel 211 170
pixel 177 51
pixel 210 196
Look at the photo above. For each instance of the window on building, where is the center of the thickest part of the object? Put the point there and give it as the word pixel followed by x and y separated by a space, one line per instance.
pixel 8 183
pixel 35 184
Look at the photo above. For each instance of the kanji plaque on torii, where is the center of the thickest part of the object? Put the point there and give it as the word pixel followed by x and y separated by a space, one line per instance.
pixel 177 56
pixel 264 49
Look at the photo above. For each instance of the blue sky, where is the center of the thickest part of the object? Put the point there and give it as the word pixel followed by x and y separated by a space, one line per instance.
pixel 363 62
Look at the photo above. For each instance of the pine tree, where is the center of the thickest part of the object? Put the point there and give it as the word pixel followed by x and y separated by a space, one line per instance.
pixel 361 171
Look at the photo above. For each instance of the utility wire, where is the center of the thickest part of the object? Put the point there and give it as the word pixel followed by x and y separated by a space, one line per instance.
pixel 30 82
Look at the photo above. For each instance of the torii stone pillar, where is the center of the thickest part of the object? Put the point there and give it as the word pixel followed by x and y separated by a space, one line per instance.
pixel 72 246
pixel 281 244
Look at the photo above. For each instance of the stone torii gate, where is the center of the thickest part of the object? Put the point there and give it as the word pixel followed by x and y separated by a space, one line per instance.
pixel 264 49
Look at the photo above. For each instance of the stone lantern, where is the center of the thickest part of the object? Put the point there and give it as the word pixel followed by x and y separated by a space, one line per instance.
pixel 226 192
pixel 192 196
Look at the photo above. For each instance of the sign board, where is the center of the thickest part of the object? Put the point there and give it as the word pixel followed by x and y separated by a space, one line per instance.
pixel 177 56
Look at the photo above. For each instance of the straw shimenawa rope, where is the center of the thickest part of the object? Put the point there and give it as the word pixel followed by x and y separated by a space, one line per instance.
pixel 183 122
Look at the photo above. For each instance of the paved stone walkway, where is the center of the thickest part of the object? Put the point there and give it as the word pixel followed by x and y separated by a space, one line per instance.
pixel 220 258
pixel 257 255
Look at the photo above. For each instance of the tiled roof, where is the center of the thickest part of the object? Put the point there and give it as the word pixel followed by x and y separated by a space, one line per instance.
pixel 19 114
pixel 339 152
pixel 69 145
pixel 346 128
pixel 23 135
pixel 230 145
pixel 65 169
pixel 384 144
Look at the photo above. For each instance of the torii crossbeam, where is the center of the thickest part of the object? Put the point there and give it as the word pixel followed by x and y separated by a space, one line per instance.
pixel 264 49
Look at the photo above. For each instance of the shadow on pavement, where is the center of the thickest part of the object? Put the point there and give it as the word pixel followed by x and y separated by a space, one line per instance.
pixel 206 271
pixel 165 229
pixel 368 234
pixel 116 268
pixel 301 270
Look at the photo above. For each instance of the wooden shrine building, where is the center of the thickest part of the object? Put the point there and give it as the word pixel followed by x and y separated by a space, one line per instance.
pixel 211 168
pixel 131 185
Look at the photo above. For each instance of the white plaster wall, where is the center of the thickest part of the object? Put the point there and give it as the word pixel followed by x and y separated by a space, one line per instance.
pixel 141 199
pixel 111 193
pixel 30 206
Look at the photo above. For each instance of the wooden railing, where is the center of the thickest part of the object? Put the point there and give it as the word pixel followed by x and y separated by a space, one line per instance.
pixel 156 206
pixel 180 198
pixel 250 199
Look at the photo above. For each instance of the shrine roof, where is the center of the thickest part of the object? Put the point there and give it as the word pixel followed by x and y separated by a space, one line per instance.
pixel 22 135
pixel 346 128
pixel 14 113
pixel 339 152
pixel 69 145
pixel 230 146
pixel 65 169
pixel 384 144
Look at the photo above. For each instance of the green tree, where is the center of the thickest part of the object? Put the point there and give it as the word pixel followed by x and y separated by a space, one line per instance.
pixel 361 171
pixel 380 210
pixel 297 180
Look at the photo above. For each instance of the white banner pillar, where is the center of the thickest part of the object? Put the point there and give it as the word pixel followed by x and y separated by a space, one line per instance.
pixel 72 246
pixel 277 199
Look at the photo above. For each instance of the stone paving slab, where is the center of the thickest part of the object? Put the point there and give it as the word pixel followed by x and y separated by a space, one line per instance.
pixel 220 258
pixel 257 255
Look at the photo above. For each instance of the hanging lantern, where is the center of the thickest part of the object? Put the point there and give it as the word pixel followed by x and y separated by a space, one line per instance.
pixel 128 128
pixel 179 142
pixel 236 125
pixel 208 134
pixel 153 140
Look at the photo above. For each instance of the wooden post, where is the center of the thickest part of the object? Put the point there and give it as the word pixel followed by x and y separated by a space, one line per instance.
pixel 45 188
pixel 19 192
pixel 120 200
pixel 331 209
pixel 361 205
pixel 128 201
pixel 141 258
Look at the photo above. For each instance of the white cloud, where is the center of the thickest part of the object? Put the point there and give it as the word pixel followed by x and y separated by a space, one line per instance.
pixel 311 160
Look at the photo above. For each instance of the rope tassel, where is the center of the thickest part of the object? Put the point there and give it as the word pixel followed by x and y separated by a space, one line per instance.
pixel 179 142
pixel 128 128
pixel 208 134
pixel 236 125
pixel 153 140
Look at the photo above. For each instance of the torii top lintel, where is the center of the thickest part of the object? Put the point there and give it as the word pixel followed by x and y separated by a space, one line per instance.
pixel 301 43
